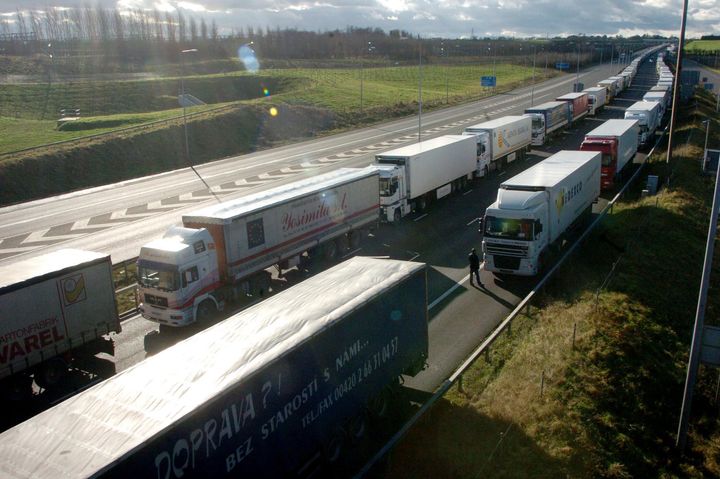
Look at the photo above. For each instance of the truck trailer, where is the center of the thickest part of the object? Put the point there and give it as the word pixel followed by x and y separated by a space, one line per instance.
pixel 414 176
pixel 274 391
pixel 221 252
pixel 647 115
pixel 500 141
pixel 578 104
pixel 660 97
pixel 611 87
pixel 666 90
pixel 53 307
pixel 535 208
pixel 548 118
pixel 597 99
pixel 617 140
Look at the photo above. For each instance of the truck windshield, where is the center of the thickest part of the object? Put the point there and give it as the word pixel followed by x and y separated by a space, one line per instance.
pixel 509 228
pixel 158 276
pixel 536 123
pixel 388 186
pixel 607 159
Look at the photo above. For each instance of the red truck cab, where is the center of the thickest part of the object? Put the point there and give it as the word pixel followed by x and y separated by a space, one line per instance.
pixel 609 148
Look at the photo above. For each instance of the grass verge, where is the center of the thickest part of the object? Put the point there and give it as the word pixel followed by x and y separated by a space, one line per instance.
pixel 590 384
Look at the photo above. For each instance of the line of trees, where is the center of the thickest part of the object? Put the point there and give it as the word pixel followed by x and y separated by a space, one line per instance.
pixel 128 39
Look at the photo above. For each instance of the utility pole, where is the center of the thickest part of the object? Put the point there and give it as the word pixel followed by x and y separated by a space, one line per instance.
pixel 532 91
pixel 420 92
pixel 676 82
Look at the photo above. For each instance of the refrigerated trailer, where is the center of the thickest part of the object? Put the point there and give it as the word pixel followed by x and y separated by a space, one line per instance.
pixel 647 115
pixel 274 391
pixel 414 176
pixel 220 254
pixel 53 307
pixel 535 208
pixel 617 140
pixel 500 142
pixel 548 118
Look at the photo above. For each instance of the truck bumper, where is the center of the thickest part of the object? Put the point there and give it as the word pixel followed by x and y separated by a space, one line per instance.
pixel 514 266
pixel 168 317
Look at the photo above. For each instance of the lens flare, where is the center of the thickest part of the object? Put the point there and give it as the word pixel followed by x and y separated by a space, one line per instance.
pixel 273 111
pixel 266 92
pixel 248 58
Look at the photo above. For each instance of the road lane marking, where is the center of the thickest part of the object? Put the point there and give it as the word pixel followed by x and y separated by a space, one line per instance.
pixel 420 217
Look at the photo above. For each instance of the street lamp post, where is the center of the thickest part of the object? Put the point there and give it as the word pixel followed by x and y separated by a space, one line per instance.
pixel 532 91
pixel 577 69
pixel 184 100
pixel 420 91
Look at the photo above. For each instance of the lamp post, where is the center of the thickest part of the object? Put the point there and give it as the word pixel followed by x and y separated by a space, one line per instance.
pixel 370 48
pixel 532 91
pixel 420 90
pixel 184 100
pixel 577 69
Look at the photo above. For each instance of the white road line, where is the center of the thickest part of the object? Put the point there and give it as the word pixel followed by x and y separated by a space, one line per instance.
pixel 473 221
pixel 420 217
pixel 467 192
pixel 450 291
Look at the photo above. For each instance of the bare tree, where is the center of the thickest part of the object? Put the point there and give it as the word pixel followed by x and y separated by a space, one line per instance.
pixel 203 29
pixel 182 30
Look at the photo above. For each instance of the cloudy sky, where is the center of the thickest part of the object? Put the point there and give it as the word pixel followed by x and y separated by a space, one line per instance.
pixel 447 18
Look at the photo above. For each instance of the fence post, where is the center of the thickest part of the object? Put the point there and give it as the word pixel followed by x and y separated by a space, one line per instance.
pixel 460 384
pixel 542 383
pixel 574 331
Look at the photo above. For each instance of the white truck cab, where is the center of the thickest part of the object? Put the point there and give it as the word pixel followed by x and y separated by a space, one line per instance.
pixel 175 275
pixel 393 197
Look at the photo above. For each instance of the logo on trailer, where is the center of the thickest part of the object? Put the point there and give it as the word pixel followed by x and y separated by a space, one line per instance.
pixel 73 289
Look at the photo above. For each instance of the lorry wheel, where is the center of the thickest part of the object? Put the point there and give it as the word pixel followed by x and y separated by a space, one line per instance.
pixel 486 171
pixel 51 373
pixel 379 406
pixel 206 312
pixel 332 449
pixel 396 217
pixel 330 251
pixel 422 205
pixel 357 427
pixel 18 388
pixel 355 239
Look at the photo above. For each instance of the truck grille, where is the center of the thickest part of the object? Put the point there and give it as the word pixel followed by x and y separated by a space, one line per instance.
pixel 156 300
pixel 496 249
pixel 506 262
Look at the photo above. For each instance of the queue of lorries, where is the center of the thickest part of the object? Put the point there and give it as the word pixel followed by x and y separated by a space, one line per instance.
pixel 277 388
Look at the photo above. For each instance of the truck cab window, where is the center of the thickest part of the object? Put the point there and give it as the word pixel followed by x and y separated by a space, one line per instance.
pixel 388 186
pixel 189 276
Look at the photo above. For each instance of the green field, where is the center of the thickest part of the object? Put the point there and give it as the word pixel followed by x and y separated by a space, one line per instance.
pixel 28 112
pixel 703 45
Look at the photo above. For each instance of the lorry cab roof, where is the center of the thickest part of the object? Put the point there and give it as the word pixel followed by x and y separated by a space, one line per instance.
pixel 519 199
pixel 38 268
pixel 175 247
pixel 550 172
pixel 227 211
pixel 642 106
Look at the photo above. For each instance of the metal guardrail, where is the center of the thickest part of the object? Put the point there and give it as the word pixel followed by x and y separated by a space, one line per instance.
pixel 484 347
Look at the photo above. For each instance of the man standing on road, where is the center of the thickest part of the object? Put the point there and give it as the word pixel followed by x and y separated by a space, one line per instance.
pixel 474 267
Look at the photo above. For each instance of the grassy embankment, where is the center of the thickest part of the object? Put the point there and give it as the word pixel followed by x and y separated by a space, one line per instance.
pixel 607 404
pixel 309 102
pixel 702 45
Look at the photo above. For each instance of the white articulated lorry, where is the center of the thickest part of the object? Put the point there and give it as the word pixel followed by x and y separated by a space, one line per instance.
pixel 221 252
pixel 535 208
pixel 661 98
pixel 52 308
pixel 413 176
pixel 500 142
pixel 597 97
pixel 647 115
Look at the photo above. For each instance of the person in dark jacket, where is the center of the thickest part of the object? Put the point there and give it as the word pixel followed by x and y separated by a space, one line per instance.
pixel 474 267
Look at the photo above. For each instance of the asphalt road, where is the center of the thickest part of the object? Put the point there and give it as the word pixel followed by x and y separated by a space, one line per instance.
pixel 461 315
pixel 119 218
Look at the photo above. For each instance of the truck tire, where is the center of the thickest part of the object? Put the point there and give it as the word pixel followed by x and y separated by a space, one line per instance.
pixel 396 217
pixel 51 373
pixel 206 312
pixel 333 447
pixel 486 171
pixel 17 388
pixel 422 204
pixel 379 406
pixel 330 251
pixel 357 427
pixel 355 239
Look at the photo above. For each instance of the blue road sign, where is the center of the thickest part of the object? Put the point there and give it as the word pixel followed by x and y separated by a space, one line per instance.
pixel 488 81
pixel 562 66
